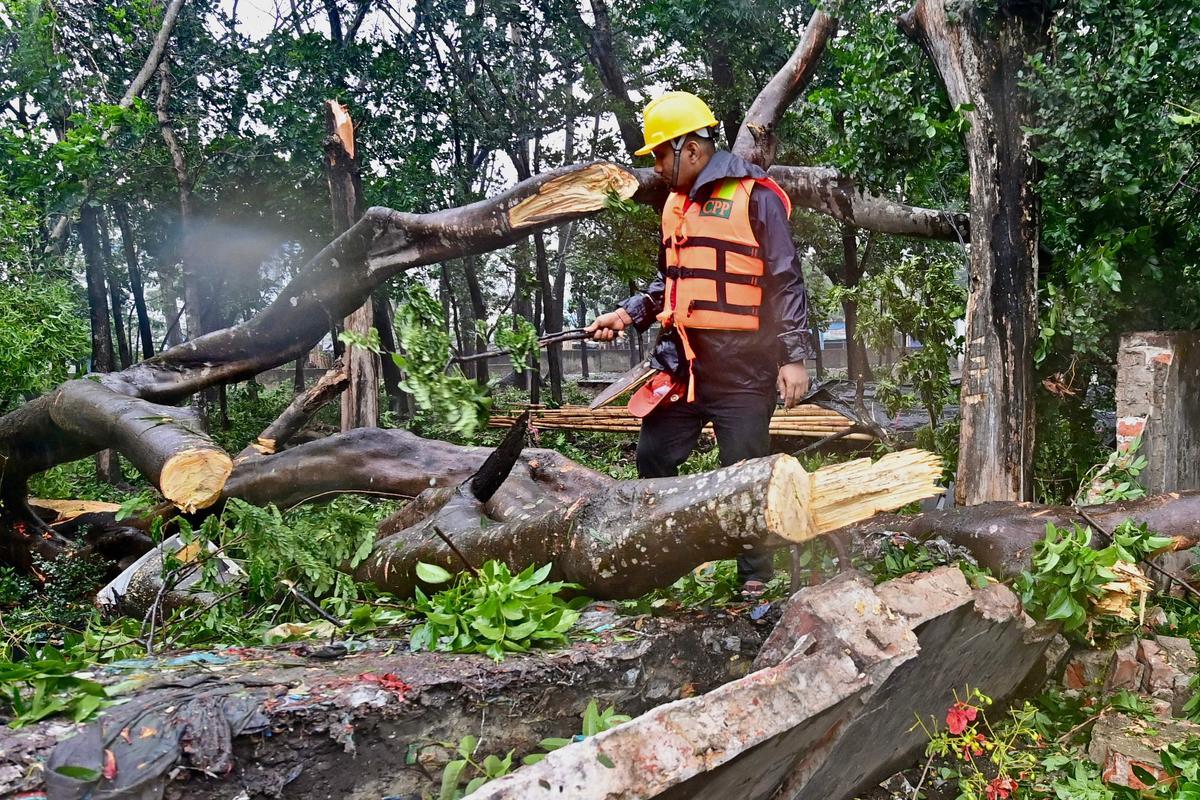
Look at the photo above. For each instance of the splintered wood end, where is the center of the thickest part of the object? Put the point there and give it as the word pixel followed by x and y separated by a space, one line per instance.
pixel 578 191
pixel 789 498
pixel 858 490
pixel 193 479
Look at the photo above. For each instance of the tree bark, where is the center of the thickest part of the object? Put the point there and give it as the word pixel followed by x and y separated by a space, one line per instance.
pixel 89 237
pixel 382 315
pixel 108 465
pixel 479 312
pixel 145 336
pixel 858 367
pixel 114 292
pixel 829 192
pixel 297 414
pixel 756 141
pixel 192 293
pixel 1001 535
pixel 163 442
pixel 633 536
pixel 981 52
pixel 194 297
pixel 551 316
pixel 360 402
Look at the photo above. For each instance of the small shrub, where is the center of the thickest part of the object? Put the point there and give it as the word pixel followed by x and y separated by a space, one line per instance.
pixel 493 612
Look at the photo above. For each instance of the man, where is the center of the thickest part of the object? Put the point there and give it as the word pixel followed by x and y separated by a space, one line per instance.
pixel 730 296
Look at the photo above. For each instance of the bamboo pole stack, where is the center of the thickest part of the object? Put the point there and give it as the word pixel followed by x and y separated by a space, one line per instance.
pixel 808 420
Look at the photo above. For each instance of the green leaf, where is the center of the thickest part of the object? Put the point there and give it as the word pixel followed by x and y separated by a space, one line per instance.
pixel 79 773
pixel 1062 606
pixel 467 746
pixel 432 573
pixel 450 778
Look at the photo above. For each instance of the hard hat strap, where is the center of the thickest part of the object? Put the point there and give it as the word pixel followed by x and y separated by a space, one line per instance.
pixel 677 145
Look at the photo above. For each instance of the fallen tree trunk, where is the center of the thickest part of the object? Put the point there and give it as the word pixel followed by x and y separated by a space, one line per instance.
pixel 635 536
pixel 380 245
pixel 337 280
pixel 1000 536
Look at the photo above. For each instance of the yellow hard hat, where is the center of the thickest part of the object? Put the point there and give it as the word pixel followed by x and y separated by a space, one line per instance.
pixel 671 115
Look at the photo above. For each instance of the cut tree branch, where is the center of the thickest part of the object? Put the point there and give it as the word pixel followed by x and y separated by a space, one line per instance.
pixel 165 443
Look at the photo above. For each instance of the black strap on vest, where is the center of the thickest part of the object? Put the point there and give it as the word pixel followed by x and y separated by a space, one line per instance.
pixel 723 307
pixel 720 245
pixel 709 275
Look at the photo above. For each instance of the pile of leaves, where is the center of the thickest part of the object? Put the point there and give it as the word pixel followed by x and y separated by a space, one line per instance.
pixel 492 611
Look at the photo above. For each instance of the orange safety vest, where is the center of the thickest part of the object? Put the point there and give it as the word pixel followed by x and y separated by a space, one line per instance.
pixel 714 267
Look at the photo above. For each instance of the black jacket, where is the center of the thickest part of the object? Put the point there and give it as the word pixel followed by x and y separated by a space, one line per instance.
pixel 740 360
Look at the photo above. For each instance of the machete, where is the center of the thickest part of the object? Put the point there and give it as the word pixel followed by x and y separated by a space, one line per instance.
pixel 629 381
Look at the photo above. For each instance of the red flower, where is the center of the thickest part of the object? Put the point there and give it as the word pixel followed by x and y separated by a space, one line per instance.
pixel 959 716
pixel 1001 788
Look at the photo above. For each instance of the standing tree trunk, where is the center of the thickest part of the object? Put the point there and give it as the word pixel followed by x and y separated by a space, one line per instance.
pixel 551 316
pixel 981 52
pixel 194 300
pixel 89 238
pixel 145 336
pixel 114 292
pixel 360 401
pixel 108 466
pixel 555 287
pixel 523 306
pixel 382 311
pixel 479 312
pixel 858 367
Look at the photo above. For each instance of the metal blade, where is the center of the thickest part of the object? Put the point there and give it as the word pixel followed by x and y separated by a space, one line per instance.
pixel 630 380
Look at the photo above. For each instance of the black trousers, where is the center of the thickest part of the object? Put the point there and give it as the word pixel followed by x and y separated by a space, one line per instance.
pixel 742 423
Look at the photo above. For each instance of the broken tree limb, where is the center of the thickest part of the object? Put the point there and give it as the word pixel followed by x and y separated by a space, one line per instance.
pixel 828 191
pixel 1000 536
pixel 638 535
pixel 400 463
pixel 756 139
pixel 336 281
pixel 298 413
